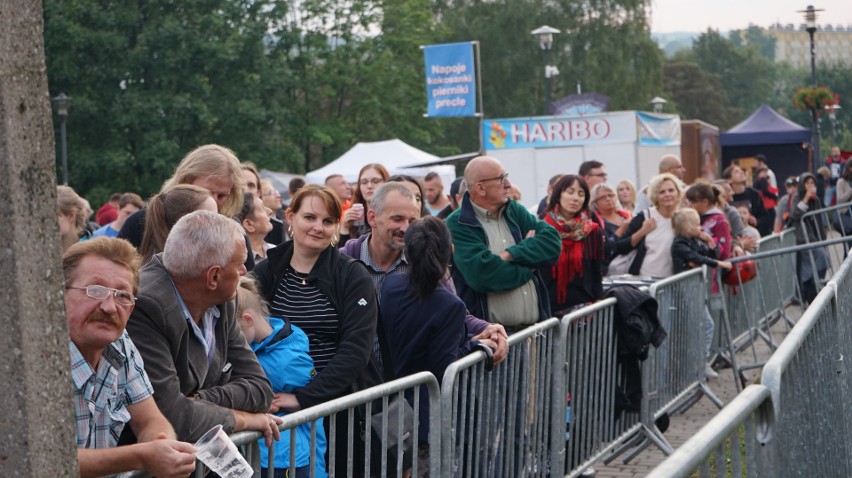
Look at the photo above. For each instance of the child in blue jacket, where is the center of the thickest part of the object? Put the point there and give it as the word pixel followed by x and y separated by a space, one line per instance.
pixel 282 350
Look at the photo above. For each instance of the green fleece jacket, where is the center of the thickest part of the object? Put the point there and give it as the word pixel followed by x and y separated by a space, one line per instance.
pixel 477 271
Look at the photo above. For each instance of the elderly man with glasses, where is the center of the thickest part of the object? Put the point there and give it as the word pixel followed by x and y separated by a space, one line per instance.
pixel 111 389
pixel 498 246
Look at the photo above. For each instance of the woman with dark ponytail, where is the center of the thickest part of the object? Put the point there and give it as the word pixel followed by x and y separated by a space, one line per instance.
pixel 423 322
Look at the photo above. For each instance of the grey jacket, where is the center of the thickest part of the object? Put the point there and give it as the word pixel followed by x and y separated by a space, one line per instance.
pixel 194 395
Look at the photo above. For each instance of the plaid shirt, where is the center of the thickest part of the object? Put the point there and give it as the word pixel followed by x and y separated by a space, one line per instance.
pixel 101 398
pixel 379 275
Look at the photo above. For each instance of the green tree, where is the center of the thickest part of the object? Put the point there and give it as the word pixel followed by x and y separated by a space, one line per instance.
pixel 696 93
pixel 151 80
pixel 755 36
pixel 745 76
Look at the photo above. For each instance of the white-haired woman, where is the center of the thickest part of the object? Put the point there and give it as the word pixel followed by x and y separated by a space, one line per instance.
pixel 650 232
pixel 605 203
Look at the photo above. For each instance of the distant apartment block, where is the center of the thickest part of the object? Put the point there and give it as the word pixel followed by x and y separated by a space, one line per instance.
pixel 833 45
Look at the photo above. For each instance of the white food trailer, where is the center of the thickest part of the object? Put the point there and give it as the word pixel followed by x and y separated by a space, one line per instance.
pixel 628 143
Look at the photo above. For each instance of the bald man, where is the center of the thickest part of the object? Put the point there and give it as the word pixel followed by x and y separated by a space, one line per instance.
pixel 498 246
pixel 668 164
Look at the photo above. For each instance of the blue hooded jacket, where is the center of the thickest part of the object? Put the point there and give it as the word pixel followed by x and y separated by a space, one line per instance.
pixel 288 366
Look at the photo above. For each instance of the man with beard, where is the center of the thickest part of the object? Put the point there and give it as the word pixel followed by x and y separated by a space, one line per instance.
pixel 391 211
pixel 436 201
pixel 111 388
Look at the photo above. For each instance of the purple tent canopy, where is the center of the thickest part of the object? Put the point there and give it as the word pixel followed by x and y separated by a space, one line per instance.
pixel 763 127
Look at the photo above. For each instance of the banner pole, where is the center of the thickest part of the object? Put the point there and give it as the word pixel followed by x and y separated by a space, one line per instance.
pixel 481 113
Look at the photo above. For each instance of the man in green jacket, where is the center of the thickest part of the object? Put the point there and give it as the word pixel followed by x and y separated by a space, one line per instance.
pixel 498 247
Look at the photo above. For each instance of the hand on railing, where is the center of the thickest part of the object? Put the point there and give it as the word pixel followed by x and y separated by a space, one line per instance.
pixel 262 422
pixel 499 341
pixel 284 402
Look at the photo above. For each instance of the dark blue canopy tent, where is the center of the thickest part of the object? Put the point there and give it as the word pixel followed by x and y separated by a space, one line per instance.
pixel 783 142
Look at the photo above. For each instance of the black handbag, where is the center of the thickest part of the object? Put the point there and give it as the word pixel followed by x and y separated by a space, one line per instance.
pixel 394 443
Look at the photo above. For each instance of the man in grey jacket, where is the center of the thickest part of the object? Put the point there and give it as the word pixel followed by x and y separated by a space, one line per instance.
pixel 202 371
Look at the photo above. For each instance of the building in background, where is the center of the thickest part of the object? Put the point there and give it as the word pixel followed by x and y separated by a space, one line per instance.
pixel 792 45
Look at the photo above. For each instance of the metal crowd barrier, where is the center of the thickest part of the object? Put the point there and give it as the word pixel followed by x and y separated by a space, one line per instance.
pixel 673 375
pixel 793 423
pixel 499 422
pixel 758 300
pixel 826 221
pixel 591 373
pixel 745 312
pixel 364 400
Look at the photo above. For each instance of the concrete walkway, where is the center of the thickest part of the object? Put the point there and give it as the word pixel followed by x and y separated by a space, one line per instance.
pixel 684 426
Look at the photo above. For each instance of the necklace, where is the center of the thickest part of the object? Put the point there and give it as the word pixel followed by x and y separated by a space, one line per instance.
pixel 299 276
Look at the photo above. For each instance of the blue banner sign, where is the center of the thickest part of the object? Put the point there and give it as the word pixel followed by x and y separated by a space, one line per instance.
pixel 450 80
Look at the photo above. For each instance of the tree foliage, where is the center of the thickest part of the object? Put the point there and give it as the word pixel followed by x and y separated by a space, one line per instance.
pixel 292 84
pixel 696 93
pixel 287 84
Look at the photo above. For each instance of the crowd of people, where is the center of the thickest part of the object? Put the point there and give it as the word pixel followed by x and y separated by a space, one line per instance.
pixel 346 287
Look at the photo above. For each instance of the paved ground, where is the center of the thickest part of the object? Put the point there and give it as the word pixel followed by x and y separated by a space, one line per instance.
pixel 683 426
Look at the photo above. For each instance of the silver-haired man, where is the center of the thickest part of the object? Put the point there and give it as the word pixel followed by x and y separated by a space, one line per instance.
pixel 184 325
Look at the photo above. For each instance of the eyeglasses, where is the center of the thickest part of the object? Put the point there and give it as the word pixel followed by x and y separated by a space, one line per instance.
pixel 99 292
pixel 374 181
pixel 599 175
pixel 271 193
pixel 605 196
pixel 501 177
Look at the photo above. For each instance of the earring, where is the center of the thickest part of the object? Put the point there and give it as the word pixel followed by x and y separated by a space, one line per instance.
pixel 290 231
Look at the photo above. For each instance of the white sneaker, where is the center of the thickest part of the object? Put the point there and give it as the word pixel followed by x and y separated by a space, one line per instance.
pixel 709 372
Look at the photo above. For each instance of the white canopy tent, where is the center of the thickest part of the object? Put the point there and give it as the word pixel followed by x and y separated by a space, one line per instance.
pixel 397 156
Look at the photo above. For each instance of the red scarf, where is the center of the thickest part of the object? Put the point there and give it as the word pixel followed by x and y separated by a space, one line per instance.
pixel 581 239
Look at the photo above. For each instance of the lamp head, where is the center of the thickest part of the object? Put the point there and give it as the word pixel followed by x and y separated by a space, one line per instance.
pixel 62 101
pixel 545 36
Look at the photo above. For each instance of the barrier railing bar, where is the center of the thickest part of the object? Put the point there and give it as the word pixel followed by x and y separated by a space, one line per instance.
pixel 695 451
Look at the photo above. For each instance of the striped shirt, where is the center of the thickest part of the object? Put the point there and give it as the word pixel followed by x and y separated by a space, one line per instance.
pixel 101 398
pixel 309 309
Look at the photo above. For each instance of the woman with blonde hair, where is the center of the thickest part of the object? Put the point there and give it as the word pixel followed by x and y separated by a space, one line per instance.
pixel 212 167
pixel 72 219
pixel 650 232
pixel 165 209
pixel 626 193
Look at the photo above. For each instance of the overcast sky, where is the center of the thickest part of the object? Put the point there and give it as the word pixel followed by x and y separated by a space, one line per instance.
pixel 698 15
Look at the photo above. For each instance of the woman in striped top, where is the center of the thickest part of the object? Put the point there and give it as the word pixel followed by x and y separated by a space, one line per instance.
pixel 329 296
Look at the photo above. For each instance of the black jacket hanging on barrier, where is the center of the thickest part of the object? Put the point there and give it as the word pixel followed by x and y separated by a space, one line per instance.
pixel 636 321
pixel 636 326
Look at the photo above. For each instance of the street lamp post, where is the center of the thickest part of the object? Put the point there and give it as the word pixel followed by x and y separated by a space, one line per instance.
pixel 658 103
pixel 545 42
pixel 810 21
pixel 62 103
pixel 832 111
